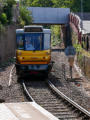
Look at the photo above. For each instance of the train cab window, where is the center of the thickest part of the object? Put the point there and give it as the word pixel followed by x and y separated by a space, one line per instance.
pixel 20 42
pixel 47 41
pixel 33 41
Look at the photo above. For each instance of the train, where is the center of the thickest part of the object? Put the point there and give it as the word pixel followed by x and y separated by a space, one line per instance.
pixel 33 51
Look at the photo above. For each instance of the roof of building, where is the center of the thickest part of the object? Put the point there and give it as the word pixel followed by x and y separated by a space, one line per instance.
pixel 86 27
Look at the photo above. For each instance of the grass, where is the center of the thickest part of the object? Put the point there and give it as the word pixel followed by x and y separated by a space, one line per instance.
pixel 55 42
pixel 85 53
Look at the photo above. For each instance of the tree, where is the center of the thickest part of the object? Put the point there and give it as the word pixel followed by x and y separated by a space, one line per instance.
pixel 62 3
pixel 3 19
pixel 76 6
pixel 24 18
pixel 7 9
pixel 37 3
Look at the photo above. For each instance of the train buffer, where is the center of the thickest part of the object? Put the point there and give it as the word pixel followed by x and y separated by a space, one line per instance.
pixel 24 111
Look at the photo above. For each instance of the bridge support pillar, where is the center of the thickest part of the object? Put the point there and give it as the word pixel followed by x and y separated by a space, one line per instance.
pixel 66 35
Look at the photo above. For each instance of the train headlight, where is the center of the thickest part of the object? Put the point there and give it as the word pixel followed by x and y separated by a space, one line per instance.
pixel 47 53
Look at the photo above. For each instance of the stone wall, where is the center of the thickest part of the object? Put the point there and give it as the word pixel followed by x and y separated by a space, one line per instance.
pixel 7 43
pixel 74 33
pixel 82 59
pixel 84 63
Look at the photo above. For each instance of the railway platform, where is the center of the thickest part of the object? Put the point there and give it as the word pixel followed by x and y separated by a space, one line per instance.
pixel 24 111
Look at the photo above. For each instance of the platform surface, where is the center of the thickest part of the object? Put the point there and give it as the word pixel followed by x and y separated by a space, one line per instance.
pixel 24 111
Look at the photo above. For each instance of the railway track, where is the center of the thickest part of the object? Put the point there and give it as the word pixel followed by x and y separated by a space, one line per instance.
pixel 49 97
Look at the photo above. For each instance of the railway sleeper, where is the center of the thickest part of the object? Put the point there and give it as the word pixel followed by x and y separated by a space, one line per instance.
pixel 63 117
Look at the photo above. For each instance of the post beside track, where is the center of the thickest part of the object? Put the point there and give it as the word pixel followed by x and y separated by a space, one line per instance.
pixel 10 76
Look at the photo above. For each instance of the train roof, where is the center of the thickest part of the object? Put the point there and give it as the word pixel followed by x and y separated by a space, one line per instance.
pixel 18 31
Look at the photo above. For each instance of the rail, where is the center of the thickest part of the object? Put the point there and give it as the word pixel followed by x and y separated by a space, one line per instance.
pixel 68 99
pixel 27 93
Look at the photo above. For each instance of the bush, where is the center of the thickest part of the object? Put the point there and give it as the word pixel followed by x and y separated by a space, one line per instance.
pixel 8 9
pixel 55 39
pixel 25 17
pixel 3 18
pixel 2 28
pixel 10 3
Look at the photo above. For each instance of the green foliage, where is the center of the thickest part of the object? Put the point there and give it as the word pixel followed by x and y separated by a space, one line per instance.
pixel 78 47
pixel 76 6
pixel 3 19
pixel 39 3
pixel 47 3
pixel 2 28
pixel 8 62
pixel 8 9
pixel 62 3
pixel 55 37
pixel 10 3
pixel 25 17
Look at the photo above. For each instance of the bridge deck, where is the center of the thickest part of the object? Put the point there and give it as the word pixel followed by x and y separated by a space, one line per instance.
pixel 45 15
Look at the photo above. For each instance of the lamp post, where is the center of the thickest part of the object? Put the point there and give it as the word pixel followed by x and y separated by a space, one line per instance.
pixel 82 14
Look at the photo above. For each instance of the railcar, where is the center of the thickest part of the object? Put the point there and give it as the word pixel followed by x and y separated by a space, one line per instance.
pixel 33 53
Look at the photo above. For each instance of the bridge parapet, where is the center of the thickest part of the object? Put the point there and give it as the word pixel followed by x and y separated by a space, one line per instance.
pixel 75 19
pixel 82 33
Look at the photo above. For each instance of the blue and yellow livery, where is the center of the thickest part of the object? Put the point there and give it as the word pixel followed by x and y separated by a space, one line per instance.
pixel 33 54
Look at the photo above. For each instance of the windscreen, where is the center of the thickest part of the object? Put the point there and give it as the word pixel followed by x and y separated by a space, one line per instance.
pixel 33 41
pixel 47 41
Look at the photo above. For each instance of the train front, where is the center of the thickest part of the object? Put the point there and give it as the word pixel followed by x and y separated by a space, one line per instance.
pixel 33 54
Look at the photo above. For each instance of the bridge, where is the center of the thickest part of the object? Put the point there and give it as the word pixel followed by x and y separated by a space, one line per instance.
pixel 42 15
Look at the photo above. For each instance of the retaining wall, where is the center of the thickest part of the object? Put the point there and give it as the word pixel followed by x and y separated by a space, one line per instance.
pixel 7 43
pixel 83 61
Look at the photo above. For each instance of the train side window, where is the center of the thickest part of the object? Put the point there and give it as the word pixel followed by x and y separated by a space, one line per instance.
pixel 47 41
pixel 20 42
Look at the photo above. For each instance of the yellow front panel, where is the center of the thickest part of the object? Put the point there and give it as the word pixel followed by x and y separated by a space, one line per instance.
pixel 31 57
